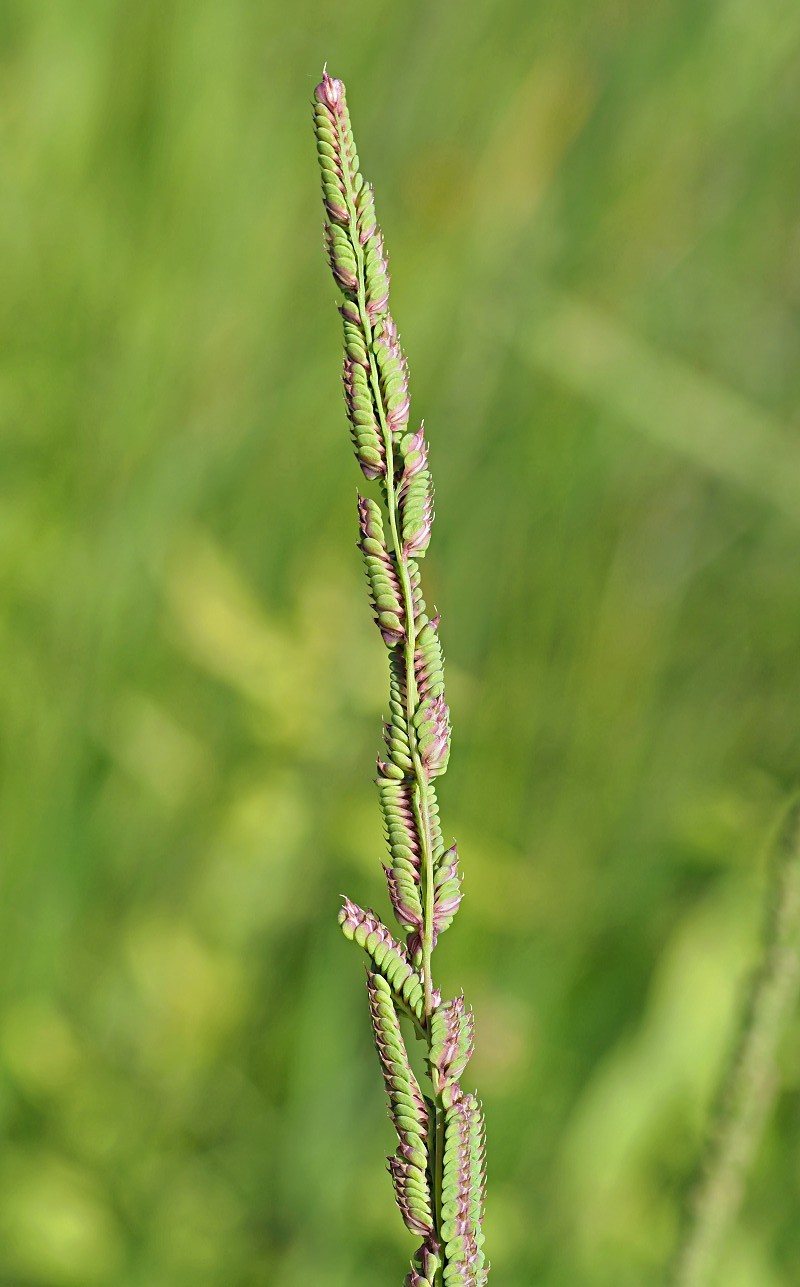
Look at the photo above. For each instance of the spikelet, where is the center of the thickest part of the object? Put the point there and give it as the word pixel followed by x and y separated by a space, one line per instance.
pixel 407 1105
pixel 335 149
pixel 403 842
pixel 367 222
pixel 352 233
pixel 413 458
pixel 376 267
pixel 432 724
pixel 407 1109
pixel 384 590
pixel 432 717
pixel 417 514
pixel 415 494
pixel 446 899
pixel 355 344
pixel 463 1194
pixel 412 1195
pixel 396 727
pixel 452 1038
pixel 404 872
pixel 446 891
pixel 341 258
pixel 428 661
pixel 418 603
pixel 389 958
pixel 425 1265
pixel 395 730
pixel 393 376
pixel 364 429
pixel 437 843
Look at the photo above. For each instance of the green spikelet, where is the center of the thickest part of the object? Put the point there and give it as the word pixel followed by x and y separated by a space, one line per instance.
pixel 437 843
pixel 432 726
pixel 429 662
pixel 354 343
pixel 425 1267
pixel 402 839
pixel 446 890
pixel 336 151
pixel 385 593
pixel 417 512
pixel 392 375
pixel 376 269
pixel 463 1195
pixel 389 959
pixel 452 1037
pixel 364 429
pixel 367 221
pixel 396 732
pixel 407 1109
pixel 415 581
pixel 341 257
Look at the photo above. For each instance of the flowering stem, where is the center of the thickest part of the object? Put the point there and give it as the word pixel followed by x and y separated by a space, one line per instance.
pixel 750 1080
pixel 438 1169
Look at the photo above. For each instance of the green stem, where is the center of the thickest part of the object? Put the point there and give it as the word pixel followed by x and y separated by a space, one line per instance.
pixel 750 1080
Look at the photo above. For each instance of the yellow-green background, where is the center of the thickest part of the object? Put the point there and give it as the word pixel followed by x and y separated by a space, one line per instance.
pixel 592 216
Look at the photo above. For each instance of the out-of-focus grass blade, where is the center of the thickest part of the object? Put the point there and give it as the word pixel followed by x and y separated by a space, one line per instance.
pixel 679 407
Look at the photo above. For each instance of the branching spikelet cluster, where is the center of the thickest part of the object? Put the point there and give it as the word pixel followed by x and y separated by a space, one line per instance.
pixel 438 1167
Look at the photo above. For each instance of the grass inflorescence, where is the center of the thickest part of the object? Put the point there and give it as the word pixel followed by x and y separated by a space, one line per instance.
pixel 438 1169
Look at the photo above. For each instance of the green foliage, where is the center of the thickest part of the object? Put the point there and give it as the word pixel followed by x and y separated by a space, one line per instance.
pixel 591 210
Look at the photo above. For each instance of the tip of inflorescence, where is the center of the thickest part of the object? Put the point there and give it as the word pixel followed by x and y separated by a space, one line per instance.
pixel 329 90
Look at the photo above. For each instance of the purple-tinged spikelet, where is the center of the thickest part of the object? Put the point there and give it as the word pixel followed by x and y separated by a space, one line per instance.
pixel 415 495
pixel 335 147
pixel 404 897
pixel 418 603
pixel 412 1195
pixel 341 258
pixel 393 375
pixel 402 838
pixel 390 959
pixel 452 1039
pixel 385 593
pixel 446 898
pixel 395 729
pixel 407 1109
pixel 376 268
pixel 428 662
pixel 355 344
pixel 463 1194
pixel 447 891
pixel 414 455
pixel 427 1262
pixel 432 722
pixel 364 428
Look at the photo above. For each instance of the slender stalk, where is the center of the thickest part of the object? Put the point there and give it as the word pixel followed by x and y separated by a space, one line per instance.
pixel 750 1080
pixel 438 1170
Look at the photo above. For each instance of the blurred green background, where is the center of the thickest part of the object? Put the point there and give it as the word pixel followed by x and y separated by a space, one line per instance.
pixel 592 216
